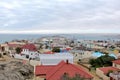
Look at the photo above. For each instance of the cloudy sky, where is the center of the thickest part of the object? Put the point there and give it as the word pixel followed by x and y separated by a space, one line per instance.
pixel 59 16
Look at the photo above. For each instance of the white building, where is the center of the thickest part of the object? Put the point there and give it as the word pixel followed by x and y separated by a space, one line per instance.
pixel 29 51
pixel 54 59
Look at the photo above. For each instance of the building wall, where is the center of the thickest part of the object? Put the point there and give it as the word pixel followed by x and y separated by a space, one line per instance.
pixel 32 54
pixel 116 65
pixel 25 51
pixel 20 43
pixel 101 74
pixel 82 55
pixel 54 59
pixel 6 48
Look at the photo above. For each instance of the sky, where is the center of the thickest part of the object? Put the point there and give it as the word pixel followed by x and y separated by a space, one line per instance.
pixel 59 16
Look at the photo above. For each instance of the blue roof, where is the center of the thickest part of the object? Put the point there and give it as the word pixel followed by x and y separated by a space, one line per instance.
pixel 113 55
pixel 63 51
pixel 97 54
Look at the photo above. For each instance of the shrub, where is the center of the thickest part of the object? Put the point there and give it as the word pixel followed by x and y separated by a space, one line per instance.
pixel 4 53
pixel 105 60
pixel 18 50
pixel 110 71
pixel 56 49
pixel 0 55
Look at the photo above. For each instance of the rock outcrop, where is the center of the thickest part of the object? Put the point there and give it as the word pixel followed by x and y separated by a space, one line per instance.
pixel 15 70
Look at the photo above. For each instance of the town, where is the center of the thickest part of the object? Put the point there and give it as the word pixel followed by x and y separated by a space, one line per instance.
pixel 61 58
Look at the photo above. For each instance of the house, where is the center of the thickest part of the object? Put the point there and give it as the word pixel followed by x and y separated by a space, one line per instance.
pixel 4 47
pixel 81 54
pixel 118 55
pixel 9 47
pixel 54 59
pixel 116 63
pixel 55 72
pixel 12 47
pixel 29 51
pixel 114 69
pixel 103 72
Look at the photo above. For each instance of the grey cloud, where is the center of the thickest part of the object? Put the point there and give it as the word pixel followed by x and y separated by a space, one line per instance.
pixel 60 14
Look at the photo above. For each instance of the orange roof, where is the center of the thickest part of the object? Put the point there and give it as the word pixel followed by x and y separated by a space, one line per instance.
pixel 55 73
pixel 116 61
pixel 105 70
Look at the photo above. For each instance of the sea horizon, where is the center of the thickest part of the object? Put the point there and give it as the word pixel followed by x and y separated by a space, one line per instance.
pixel 79 36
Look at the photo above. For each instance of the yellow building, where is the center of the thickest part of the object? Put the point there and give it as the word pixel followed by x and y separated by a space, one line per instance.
pixel 116 51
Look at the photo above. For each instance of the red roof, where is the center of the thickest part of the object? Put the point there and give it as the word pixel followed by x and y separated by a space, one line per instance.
pixel 116 61
pixel 55 73
pixel 13 45
pixel 49 52
pixel 30 47
pixel 105 70
pixel 68 49
pixel 42 70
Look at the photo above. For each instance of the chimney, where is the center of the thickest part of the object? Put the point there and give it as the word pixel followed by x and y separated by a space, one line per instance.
pixel 67 61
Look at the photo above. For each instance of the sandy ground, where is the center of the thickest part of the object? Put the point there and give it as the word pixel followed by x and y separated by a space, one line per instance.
pixel 43 50
pixel 7 59
pixel 38 78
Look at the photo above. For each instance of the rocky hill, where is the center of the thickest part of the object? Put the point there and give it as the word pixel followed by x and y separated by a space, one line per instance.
pixel 15 70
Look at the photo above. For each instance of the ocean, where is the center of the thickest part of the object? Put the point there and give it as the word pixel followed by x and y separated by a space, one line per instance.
pixel 10 37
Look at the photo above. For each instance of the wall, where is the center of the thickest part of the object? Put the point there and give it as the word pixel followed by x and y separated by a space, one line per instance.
pixel 82 55
pixel 116 65
pixel 54 59
pixel 101 74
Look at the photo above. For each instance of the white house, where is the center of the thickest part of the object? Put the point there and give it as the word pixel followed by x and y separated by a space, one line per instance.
pixel 54 59
pixel 30 51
